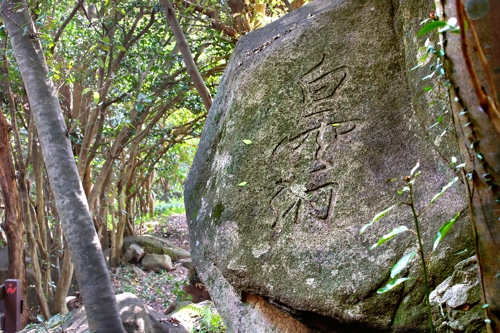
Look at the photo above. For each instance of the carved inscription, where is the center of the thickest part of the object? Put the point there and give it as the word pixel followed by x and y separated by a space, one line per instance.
pixel 306 187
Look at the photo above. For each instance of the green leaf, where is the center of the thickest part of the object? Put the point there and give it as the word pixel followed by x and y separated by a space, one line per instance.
pixel 401 264
pixel 100 62
pixel 412 181
pixel 140 107
pixel 433 25
pixel 443 231
pixel 96 97
pixel 86 90
pixel 105 40
pixel 444 189
pixel 428 88
pixel 376 218
pixel 391 284
pixel 391 234
pixel 242 184
pixel 248 142
pixel 336 125
pixel 120 48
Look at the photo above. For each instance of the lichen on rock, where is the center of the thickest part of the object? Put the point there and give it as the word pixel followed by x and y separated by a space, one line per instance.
pixel 332 112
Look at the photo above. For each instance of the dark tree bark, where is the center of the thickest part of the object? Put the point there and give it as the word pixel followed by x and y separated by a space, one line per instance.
pixel 476 80
pixel 13 225
pixel 92 275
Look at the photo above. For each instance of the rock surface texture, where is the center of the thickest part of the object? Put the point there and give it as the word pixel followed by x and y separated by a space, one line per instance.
pixel 456 301
pixel 332 110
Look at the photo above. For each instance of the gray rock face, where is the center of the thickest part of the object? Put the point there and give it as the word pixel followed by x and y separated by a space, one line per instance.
pixel 332 111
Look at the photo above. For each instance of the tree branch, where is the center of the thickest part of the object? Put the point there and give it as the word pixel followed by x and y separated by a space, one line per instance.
pixel 186 54
pixel 211 13
pixel 63 26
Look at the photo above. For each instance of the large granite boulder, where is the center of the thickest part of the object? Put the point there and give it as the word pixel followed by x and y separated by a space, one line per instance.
pixel 314 115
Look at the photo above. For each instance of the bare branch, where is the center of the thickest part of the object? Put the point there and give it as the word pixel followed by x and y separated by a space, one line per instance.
pixel 186 54
pixel 65 23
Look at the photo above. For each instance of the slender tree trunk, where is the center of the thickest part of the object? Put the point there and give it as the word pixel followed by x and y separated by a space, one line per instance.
pixel 121 224
pixel 63 285
pixel 479 138
pixel 13 225
pixel 44 307
pixel 186 54
pixel 41 235
pixel 16 206
pixel 92 274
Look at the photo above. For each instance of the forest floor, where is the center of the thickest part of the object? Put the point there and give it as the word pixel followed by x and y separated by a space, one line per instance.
pixel 157 290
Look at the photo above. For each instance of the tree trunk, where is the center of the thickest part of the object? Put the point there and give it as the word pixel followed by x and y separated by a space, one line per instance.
pixel 120 226
pixel 6 159
pixel 114 256
pixel 13 225
pixel 63 285
pixel 93 277
pixel 44 307
pixel 41 235
pixel 478 137
pixel 186 54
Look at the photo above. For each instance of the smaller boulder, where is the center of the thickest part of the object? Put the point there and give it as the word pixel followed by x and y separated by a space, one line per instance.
pixel 133 255
pixel 156 245
pixel 155 262
pixel 456 302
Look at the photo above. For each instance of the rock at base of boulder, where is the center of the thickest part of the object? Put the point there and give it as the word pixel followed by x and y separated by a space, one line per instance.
pixel 133 254
pixel 188 314
pixel 456 302
pixel 155 262
pixel 135 316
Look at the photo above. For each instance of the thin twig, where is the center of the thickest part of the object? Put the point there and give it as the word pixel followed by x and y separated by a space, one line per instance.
pixel 63 26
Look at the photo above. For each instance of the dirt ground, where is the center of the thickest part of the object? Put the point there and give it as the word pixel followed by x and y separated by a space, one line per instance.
pixel 159 290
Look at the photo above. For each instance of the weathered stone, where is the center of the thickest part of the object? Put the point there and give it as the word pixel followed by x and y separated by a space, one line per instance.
pixel 156 245
pixel 333 112
pixel 133 254
pixel 456 301
pixel 155 262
